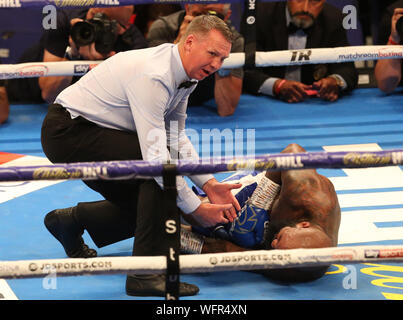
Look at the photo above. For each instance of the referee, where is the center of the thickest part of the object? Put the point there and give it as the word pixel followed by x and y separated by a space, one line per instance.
pixel 133 106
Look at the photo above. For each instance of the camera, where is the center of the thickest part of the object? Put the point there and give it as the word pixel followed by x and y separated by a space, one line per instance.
pixel 399 28
pixel 99 29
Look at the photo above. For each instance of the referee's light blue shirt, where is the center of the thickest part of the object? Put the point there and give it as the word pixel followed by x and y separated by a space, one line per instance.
pixel 138 91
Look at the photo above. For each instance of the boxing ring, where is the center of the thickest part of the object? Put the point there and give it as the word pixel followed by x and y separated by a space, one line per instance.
pixel 365 265
pixel 314 124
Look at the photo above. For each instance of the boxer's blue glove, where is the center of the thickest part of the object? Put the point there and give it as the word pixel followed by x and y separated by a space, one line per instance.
pixel 245 193
pixel 219 231
pixel 222 231
pixel 248 230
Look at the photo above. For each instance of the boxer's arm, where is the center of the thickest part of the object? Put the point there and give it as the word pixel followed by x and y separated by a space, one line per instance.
pixel 195 243
pixel 388 72
pixel 297 186
pixel 276 176
pixel 305 191
pixel 212 245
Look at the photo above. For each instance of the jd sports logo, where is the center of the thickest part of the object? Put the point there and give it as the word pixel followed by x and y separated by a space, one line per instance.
pixel 301 55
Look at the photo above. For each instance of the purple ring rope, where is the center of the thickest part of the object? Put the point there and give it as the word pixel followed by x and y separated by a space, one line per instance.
pixel 124 170
pixel 63 4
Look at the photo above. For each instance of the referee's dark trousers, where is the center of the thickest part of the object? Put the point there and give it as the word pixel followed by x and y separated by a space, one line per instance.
pixel 130 206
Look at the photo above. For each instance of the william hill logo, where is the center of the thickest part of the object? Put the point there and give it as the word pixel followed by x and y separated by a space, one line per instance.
pixel 10 4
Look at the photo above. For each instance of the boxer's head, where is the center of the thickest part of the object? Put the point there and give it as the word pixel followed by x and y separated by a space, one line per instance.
pixel 304 12
pixel 300 235
pixel 294 235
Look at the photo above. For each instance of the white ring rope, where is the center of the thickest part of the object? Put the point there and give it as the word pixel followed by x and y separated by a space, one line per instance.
pixel 328 55
pixel 235 60
pixel 247 260
pixel 46 69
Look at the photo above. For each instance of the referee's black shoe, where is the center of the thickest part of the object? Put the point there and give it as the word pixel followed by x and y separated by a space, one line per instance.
pixel 154 286
pixel 63 226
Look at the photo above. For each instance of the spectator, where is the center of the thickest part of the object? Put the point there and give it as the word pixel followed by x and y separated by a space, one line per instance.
pixel 388 73
pixel 294 25
pixel 57 45
pixel 146 14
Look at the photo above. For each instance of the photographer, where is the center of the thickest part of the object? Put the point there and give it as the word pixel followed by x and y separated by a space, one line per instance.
pixel 225 86
pixel 59 45
pixel 388 73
